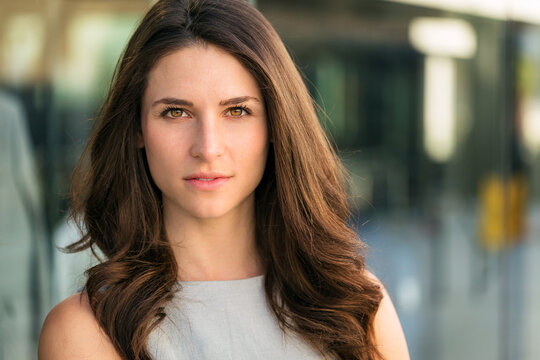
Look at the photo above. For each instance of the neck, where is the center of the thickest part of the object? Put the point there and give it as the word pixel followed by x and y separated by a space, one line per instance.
pixel 214 249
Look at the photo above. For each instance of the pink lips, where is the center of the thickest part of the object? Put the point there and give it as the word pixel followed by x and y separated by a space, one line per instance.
pixel 207 181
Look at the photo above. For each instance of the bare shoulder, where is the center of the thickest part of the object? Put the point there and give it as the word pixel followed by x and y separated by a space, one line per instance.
pixel 71 331
pixel 388 331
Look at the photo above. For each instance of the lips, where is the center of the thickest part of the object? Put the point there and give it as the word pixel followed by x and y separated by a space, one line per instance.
pixel 207 181
pixel 206 176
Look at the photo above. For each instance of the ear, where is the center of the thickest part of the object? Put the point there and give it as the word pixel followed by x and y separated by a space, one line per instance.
pixel 140 139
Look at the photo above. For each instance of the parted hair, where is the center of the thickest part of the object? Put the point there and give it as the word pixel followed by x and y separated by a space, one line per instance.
pixel 315 280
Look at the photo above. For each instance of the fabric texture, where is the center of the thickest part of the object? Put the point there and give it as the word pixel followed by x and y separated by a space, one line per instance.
pixel 224 320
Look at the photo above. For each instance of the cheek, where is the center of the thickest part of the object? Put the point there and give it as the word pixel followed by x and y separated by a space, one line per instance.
pixel 162 152
pixel 255 149
pixel 263 141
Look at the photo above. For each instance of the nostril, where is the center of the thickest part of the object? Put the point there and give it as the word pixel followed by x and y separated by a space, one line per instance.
pixel 208 143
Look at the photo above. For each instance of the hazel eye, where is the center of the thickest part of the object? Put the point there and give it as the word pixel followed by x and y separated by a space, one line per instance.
pixel 176 113
pixel 237 111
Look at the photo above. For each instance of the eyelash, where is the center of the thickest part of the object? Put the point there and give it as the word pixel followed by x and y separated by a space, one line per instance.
pixel 242 107
pixel 171 108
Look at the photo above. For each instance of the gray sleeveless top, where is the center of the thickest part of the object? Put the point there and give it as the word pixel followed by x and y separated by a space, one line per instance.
pixel 224 320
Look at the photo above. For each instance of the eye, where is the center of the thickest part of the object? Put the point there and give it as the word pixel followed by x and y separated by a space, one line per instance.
pixel 174 113
pixel 237 111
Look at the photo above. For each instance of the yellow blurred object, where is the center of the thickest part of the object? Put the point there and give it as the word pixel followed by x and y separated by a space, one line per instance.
pixel 503 203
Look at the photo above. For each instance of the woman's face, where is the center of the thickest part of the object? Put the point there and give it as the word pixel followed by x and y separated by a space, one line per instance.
pixel 204 132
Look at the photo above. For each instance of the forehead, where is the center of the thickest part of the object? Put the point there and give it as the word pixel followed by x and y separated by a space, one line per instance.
pixel 200 71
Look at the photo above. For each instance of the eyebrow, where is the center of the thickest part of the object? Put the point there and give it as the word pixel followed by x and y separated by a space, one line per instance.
pixel 172 101
pixel 238 100
pixel 181 102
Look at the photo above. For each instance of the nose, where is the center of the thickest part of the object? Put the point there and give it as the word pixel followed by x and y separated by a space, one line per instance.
pixel 208 140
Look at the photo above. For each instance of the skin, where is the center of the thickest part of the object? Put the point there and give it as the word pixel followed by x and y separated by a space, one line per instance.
pixel 212 232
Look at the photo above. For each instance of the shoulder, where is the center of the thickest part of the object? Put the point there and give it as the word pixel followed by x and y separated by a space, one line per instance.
pixel 389 336
pixel 71 331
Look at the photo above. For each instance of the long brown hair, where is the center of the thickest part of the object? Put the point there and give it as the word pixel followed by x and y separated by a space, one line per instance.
pixel 315 280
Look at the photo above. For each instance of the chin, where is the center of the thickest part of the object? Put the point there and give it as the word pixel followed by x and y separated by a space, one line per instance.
pixel 208 213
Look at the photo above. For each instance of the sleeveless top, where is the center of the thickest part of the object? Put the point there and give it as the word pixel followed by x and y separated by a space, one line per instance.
pixel 228 319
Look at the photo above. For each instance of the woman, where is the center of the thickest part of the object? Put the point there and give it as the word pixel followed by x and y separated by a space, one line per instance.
pixel 219 206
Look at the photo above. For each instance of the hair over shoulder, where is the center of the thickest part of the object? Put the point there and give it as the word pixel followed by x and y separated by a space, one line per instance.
pixel 315 271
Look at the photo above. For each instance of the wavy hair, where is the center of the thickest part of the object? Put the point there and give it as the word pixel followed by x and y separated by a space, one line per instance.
pixel 315 279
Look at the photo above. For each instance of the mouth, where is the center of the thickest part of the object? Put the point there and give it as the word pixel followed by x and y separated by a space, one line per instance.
pixel 206 176
pixel 207 181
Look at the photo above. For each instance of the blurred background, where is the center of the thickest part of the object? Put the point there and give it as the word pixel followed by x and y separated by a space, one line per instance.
pixel 433 104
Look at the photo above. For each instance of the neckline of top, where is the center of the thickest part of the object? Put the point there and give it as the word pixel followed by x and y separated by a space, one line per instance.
pixel 217 282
